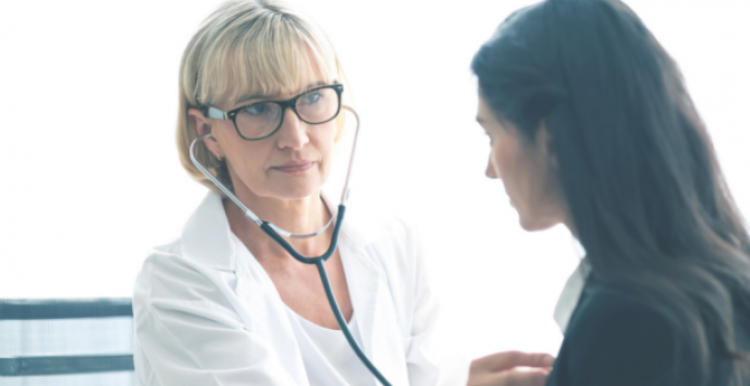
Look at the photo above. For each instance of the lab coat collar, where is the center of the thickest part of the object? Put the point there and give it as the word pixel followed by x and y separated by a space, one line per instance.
pixel 355 228
pixel 568 300
pixel 370 299
pixel 206 237
pixel 368 292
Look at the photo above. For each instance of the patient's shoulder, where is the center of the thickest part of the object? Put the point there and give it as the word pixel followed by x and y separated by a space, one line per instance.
pixel 604 309
pixel 620 339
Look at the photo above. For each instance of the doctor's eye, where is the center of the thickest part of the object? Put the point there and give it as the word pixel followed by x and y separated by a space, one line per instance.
pixel 311 98
pixel 258 109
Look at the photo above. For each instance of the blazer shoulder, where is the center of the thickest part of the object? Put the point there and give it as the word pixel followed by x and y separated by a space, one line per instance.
pixel 607 308
pixel 617 339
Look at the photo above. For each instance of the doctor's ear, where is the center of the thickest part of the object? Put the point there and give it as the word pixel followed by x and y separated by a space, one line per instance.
pixel 199 121
pixel 202 126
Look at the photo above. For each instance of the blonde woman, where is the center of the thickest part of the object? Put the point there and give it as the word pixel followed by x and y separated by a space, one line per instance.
pixel 226 305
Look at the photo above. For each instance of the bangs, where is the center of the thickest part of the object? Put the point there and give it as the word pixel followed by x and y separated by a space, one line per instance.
pixel 271 55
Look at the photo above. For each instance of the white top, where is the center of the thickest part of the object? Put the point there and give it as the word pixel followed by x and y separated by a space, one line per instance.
pixel 206 313
pixel 568 300
pixel 328 358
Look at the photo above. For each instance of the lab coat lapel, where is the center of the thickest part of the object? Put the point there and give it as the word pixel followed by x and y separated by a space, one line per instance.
pixel 381 338
pixel 269 313
pixel 208 239
pixel 363 282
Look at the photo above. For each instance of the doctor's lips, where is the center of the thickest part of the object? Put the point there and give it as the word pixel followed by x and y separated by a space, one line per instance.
pixel 296 166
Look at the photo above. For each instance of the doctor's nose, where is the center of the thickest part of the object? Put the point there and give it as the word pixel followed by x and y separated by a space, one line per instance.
pixel 293 132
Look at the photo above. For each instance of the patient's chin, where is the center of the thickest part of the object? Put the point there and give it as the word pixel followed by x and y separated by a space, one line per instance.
pixel 534 224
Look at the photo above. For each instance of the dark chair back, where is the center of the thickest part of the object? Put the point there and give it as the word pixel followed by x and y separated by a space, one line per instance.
pixel 66 342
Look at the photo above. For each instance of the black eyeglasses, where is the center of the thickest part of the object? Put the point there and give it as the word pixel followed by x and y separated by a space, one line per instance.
pixel 262 119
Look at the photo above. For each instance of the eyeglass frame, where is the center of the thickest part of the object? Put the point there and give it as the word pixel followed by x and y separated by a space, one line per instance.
pixel 214 113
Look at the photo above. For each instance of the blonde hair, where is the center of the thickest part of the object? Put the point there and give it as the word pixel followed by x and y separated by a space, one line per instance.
pixel 247 47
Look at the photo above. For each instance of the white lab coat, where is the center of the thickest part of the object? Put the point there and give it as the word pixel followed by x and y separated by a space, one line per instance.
pixel 206 313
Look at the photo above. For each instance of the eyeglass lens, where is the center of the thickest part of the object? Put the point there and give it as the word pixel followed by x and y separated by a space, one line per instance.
pixel 260 119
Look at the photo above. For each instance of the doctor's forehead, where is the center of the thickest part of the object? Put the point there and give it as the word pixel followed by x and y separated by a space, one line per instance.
pixel 240 85
pixel 269 73
pixel 281 92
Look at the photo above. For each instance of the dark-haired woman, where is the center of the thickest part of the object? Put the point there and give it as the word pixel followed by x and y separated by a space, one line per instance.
pixel 591 126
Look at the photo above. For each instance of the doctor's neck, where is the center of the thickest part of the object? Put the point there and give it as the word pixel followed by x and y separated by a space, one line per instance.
pixel 298 215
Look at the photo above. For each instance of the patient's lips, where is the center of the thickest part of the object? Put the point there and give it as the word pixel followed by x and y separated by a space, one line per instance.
pixel 294 166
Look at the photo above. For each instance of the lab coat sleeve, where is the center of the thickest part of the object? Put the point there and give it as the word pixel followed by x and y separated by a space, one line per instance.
pixel 187 332
pixel 421 356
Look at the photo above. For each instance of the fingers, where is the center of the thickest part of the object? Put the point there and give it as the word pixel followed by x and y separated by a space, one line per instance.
pixel 510 378
pixel 510 359
pixel 522 378
pixel 499 369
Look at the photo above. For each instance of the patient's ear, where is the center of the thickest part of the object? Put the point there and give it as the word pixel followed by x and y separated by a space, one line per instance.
pixel 544 142
pixel 202 126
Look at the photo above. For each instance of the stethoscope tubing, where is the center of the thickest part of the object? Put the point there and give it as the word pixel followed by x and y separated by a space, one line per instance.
pixel 344 328
pixel 274 232
pixel 319 262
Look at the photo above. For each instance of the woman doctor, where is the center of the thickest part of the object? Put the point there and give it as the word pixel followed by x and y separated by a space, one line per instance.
pixel 225 304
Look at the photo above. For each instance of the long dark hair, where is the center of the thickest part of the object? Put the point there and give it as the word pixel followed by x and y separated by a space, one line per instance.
pixel 643 187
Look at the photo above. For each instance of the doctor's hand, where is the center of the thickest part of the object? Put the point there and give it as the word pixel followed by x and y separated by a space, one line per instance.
pixel 501 369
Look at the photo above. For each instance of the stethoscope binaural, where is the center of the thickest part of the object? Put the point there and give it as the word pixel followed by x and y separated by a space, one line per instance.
pixel 276 234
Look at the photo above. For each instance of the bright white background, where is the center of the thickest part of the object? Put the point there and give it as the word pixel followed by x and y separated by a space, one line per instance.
pixel 90 177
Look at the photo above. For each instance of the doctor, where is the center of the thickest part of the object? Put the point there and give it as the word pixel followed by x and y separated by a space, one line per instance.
pixel 226 305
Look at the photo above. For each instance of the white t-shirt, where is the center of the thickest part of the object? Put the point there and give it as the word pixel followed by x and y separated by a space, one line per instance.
pixel 570 295
pixel 328 358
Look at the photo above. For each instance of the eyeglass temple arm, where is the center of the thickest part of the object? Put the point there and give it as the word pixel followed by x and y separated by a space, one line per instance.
pixel 214 113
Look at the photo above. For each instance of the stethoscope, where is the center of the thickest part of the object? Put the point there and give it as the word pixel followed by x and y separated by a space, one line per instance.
pixel 276 234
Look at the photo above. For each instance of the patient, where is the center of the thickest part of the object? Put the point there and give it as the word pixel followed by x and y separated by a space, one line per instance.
pixel 591 126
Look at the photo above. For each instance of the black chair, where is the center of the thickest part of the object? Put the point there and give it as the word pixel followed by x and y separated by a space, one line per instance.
pixel 66 342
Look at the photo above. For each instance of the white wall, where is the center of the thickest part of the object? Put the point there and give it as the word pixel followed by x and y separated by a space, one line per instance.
pixel 91 179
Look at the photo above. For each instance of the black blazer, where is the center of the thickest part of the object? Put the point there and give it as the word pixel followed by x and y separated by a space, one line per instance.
pixel 613 339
